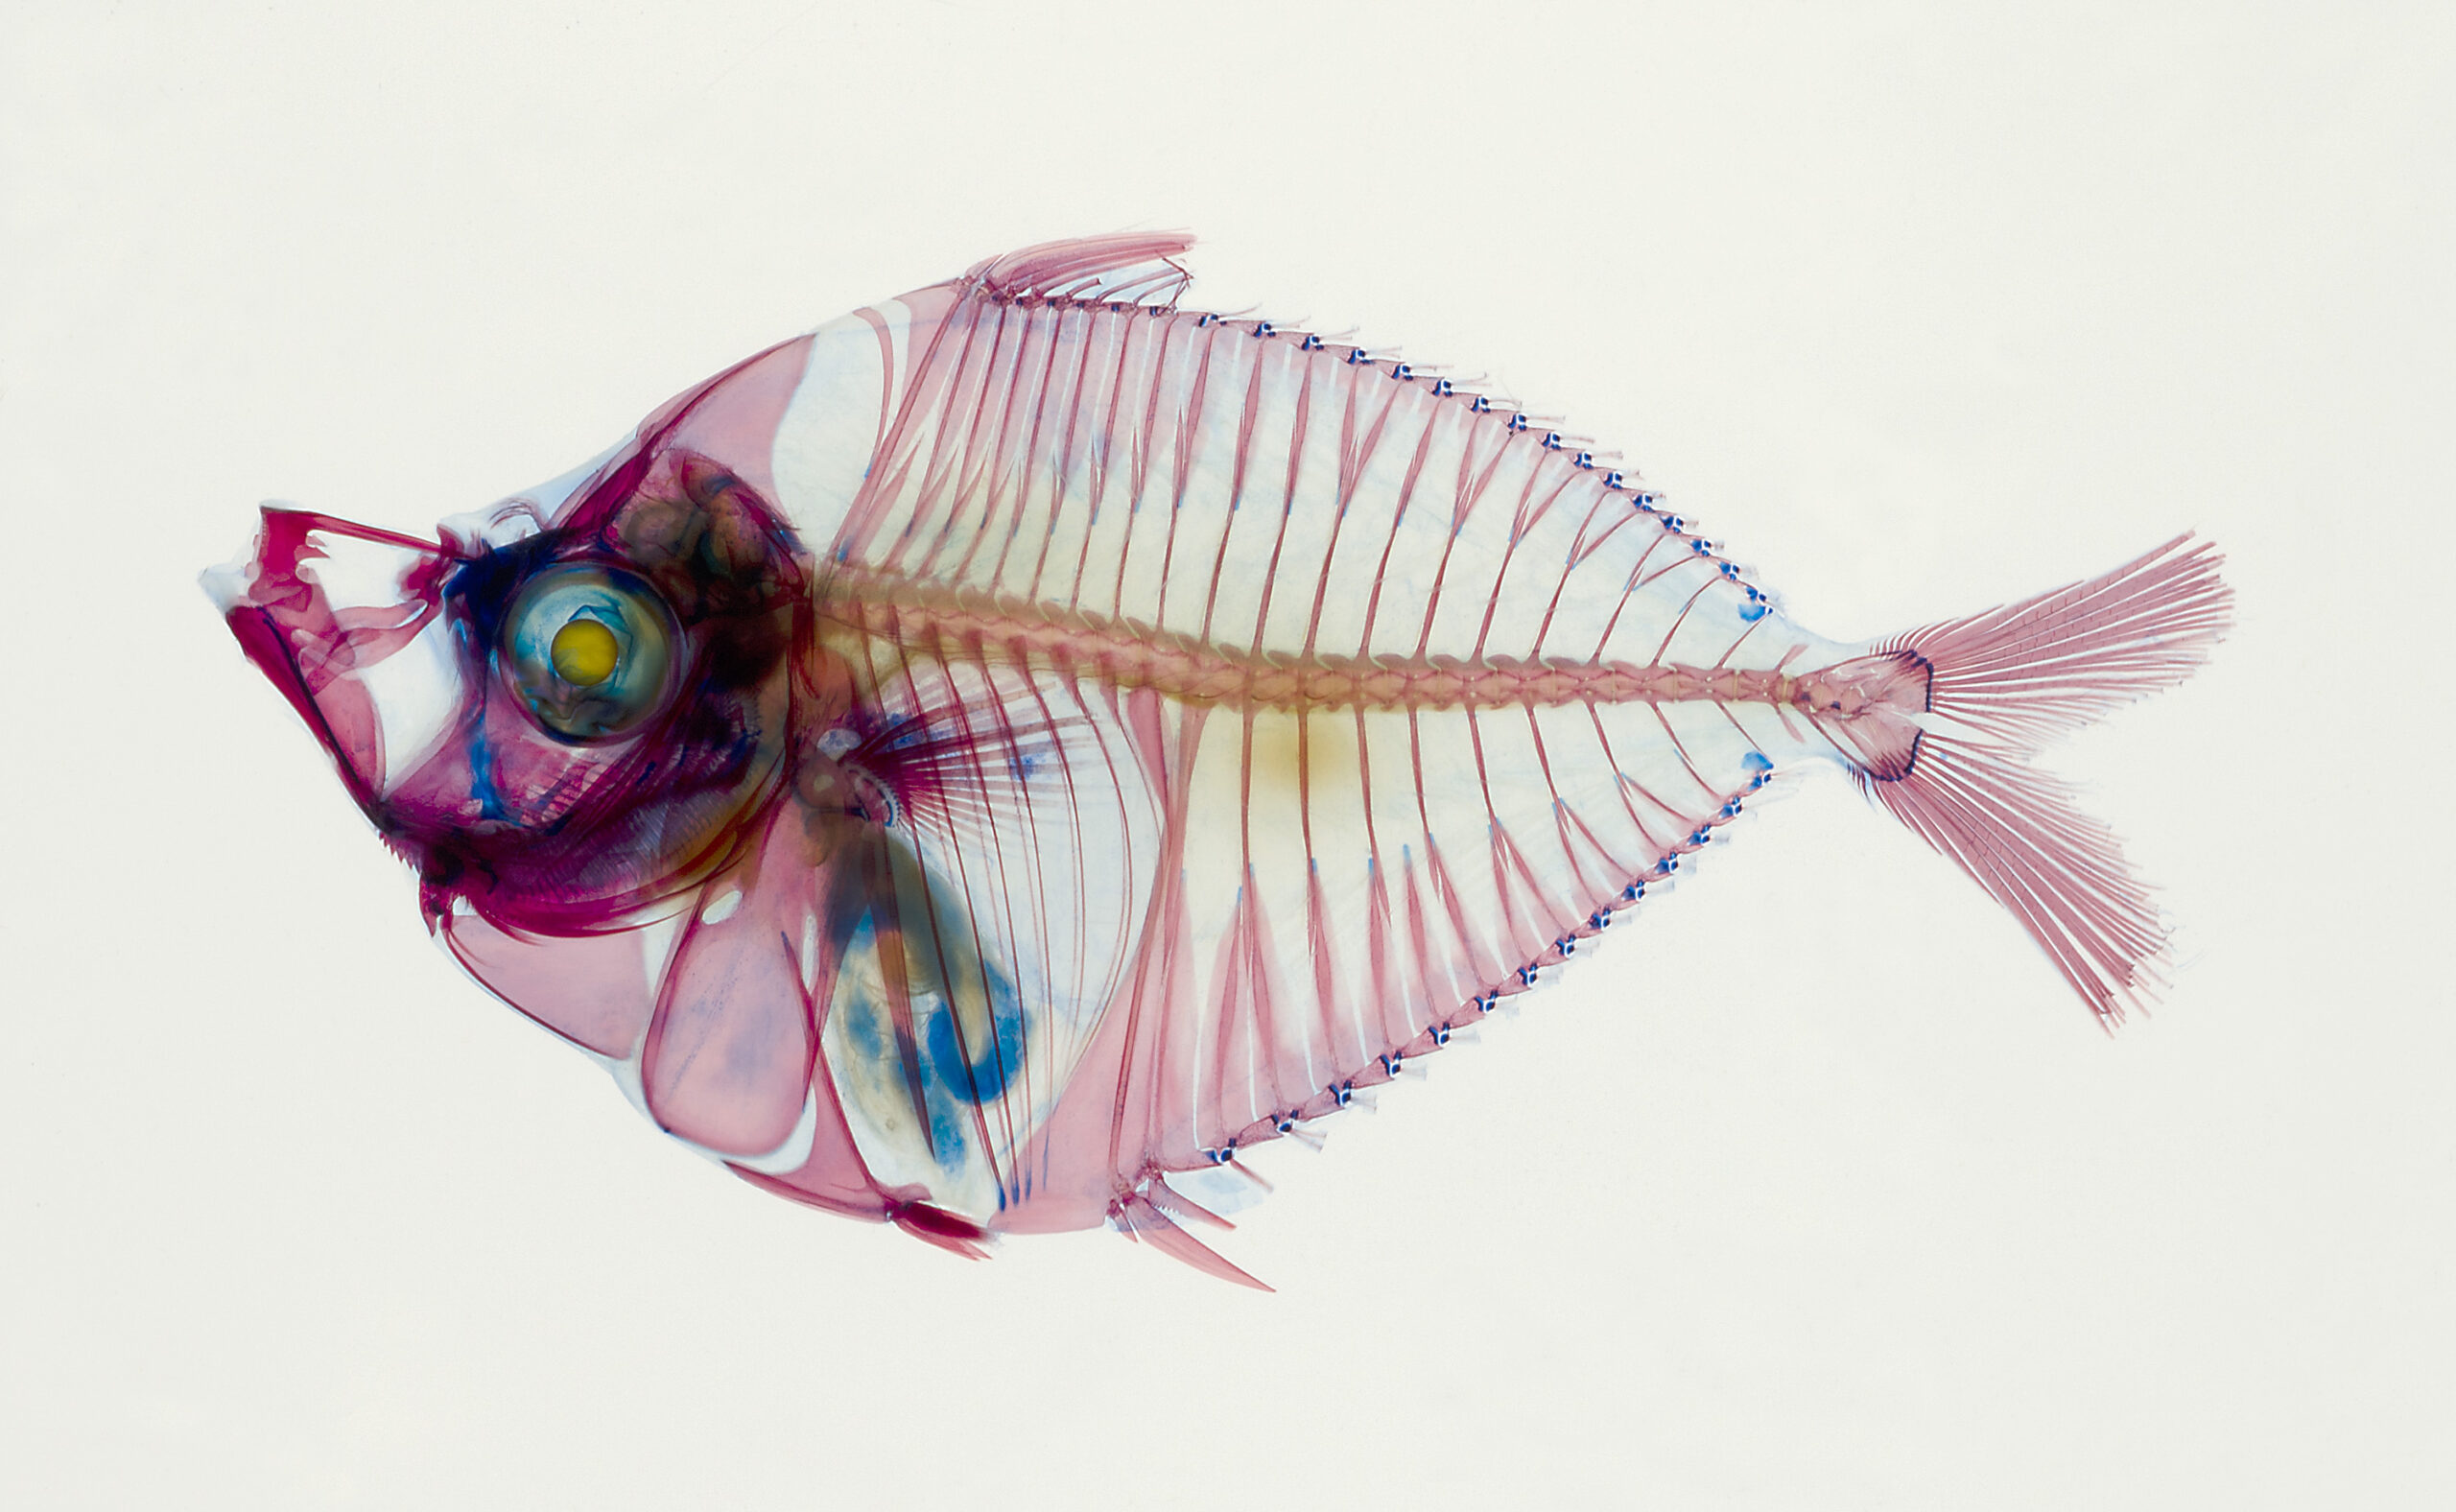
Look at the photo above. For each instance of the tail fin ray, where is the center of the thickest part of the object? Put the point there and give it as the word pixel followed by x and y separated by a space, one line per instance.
pixel 2026 673
pixel 2014 679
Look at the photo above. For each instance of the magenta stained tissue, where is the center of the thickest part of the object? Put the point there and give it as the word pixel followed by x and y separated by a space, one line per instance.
pixel 1026 742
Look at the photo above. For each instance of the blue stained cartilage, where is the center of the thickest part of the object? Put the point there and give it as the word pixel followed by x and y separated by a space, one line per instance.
pixel 946 1135
pixel 482 773
pixel 983 1078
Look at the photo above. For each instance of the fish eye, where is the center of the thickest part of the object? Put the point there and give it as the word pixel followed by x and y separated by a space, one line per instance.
pixel 586 652
pixel 589 649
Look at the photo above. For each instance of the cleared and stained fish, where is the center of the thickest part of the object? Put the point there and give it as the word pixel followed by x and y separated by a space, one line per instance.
pixel 1025 739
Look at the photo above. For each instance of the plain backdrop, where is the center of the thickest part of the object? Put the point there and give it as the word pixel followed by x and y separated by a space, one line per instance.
pixel 1812 1188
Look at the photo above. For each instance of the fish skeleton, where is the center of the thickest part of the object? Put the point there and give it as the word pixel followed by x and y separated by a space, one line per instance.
pixel 1027 740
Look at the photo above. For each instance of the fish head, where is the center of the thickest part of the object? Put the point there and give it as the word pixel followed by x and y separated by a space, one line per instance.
pixel 562 711
pixel 652 808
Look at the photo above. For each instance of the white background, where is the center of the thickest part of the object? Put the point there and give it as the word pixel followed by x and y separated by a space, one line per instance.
pixel 1811 1189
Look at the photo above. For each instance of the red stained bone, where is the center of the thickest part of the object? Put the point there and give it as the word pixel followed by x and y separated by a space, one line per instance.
pixel 1517 773
pixel 2020 676
pixel 728 1058
pixel 594 990
pixel 1140 1218
pixel 966 625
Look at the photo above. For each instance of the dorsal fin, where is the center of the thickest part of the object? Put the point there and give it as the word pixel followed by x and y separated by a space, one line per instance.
pixel 1136 266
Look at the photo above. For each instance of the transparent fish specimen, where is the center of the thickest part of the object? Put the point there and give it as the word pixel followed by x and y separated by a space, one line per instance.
pixel 1025 739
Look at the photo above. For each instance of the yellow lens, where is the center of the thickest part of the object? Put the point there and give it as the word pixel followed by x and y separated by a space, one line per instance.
pixel 585 654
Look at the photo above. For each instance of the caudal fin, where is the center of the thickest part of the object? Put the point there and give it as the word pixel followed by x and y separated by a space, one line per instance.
pixel 2003 684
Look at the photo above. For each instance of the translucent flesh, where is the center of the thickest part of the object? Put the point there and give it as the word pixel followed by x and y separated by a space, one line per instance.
pixel 1152 729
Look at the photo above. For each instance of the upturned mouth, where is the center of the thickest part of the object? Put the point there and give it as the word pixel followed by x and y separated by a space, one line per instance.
pixel 329 611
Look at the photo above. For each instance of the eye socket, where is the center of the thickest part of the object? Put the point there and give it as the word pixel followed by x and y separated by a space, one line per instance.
pixel 589 649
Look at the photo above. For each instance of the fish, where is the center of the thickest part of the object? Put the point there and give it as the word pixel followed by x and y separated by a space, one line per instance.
pixel 993 763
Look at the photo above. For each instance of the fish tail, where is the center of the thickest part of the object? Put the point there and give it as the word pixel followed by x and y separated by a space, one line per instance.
pixel 1999 687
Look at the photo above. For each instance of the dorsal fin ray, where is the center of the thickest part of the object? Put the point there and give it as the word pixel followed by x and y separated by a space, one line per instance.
pixel 1138 267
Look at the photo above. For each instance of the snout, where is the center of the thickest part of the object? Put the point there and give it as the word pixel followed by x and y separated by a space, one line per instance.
pixel 345 620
